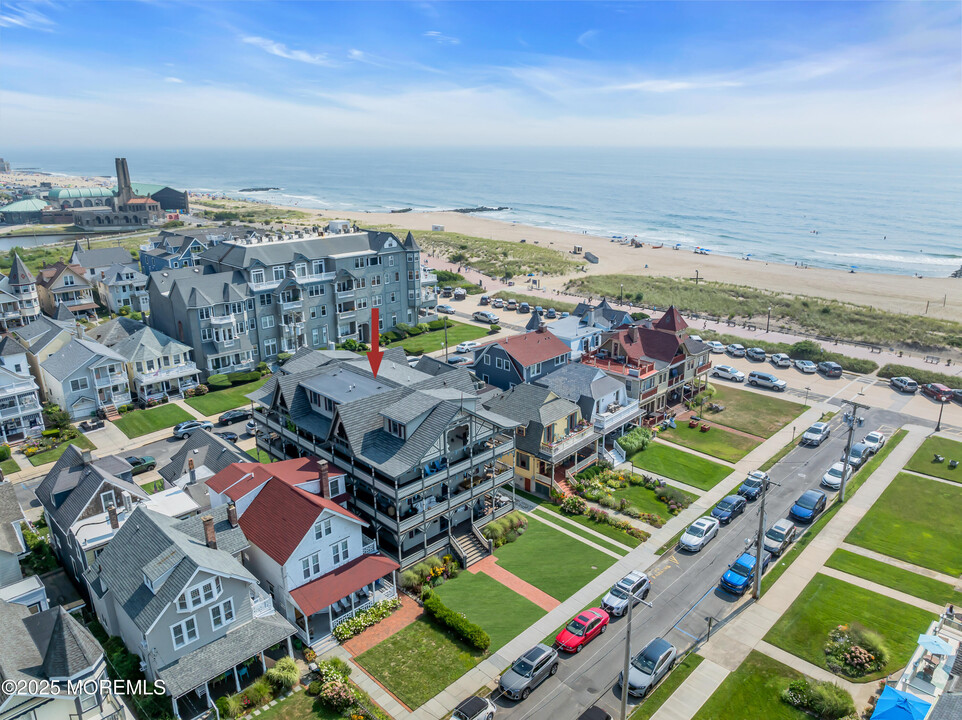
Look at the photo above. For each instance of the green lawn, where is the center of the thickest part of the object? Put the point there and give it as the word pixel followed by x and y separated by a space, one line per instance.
pixel 679 465
pixel 752 412
pixel 644 499
pixel 826 603
pixel 754 690
pixel 582 522
pixel 428 342
pixel 924 459
pixel 896 578
pixel 916 520
pixel 552 561
pixel 142 422
pixel 299 706
pixel 606 530
pixel 9 466
pixel 501 611
pixel 52 455
pixel 418 662
pixel 677 676
pixel 717 442
pixel 220 401
pixel 259 455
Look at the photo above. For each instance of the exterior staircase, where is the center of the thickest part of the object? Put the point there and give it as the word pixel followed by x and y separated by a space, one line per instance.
pixel 111 412
pixel 561 482
pixel 470 548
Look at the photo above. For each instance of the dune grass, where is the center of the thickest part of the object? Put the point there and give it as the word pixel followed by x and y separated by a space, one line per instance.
pixel 497 258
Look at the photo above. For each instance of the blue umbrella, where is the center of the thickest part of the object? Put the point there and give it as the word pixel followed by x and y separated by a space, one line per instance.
pixel 935 645
pixel 896 705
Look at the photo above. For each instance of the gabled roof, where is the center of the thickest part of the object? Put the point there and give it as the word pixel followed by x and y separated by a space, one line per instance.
pixel 116 274
pixel 527 403
pixel 41 332
pixel 48 275
pixel 10 347
pixel 207 451
pixel 234 254
pixel 103 257
pixel 19 275
pixel 114 331
pixel 534 347
pixel 63 313
pixel 10 514
pixel 341 582
pixel 642 344
pixel 148 343
pixel 575 381
pixel 77 354
pixel 671 321
pixel 195 287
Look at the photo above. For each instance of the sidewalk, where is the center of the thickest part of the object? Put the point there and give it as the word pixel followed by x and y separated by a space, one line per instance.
pixel 732 644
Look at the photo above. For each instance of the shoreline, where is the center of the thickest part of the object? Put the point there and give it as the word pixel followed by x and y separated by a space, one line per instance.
pixel 939 297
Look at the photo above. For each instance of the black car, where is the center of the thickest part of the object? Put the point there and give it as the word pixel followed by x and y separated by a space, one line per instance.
pixel 957 395
pixel 232 416
pixel 830 369
pixel 594 713
pixel 729 508
pixel 228 435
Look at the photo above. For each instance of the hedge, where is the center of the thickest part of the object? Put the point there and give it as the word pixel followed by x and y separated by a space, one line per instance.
pixel 635 440
pixel 437 325
pixel 921 376
pixel 802 350
pixel 218 382
pixel 4 452
pixel 445 617
pixel 239 378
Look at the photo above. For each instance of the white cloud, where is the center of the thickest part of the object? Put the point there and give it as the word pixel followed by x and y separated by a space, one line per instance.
pixel 281 50
pixel 665 86
pixel 356 54
pixel 173 80
pixel 442 39
pixel 22 15
pixel 585 38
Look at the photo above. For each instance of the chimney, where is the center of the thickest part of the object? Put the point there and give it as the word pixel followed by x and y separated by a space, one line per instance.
pixel 128 506
pixel 325 477
pixel 112 514
pixel 190 470
pixel 632 334
pixel 209 535
pixel 85 455
pixel 232 515
pixel 542 327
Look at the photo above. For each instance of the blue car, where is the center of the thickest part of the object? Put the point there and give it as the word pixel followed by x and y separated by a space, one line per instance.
pixel 753 485
pixel 741 573
pixel 809 506
pixel 729 508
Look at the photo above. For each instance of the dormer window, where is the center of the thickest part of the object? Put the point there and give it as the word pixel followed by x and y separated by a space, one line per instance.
pixel 199 595
pixel 68 280
pixel 321 529
pixel 395 428
pixel 257 276
pixel 279 272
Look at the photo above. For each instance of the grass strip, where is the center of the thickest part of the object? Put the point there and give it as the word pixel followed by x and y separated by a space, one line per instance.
pixel 717 442
pixel 9 466
pixel 924 459
pixel 576 530
pixel 671 543
pixel 872 465
pixel 676 677
pixel 893 577
pixel 662 459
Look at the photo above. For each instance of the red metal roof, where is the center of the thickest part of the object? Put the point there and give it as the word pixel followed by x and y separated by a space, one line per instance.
pixel 641 344
pixel 533 347
pixel 322 592
pixel 671 321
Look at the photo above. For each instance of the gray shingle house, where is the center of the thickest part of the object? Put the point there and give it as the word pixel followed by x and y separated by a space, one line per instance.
pixel 20 413
pixel 247 300
pixel 201 456
pixel 177 593
pixel 85 376
pixel 520 358
pixel 173 249
pixel 52 647
pixel 19 302
pixel 424 459
pixel 123 285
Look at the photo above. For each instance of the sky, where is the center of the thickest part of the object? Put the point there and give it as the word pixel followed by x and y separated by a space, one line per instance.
pixel 213 73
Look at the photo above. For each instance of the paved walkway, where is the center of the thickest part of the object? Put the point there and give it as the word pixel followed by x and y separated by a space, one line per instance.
pixel 379 694
pixel 490 567
pixel 895 562
pixel 397 621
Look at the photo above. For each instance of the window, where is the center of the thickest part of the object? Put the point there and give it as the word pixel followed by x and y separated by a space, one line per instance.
pixel 410 294
pixel 410 275
pixel 257 276
pixel 88 702
pixel 376 301
pixel 335 485
pixel 107 499
pixel 397 277
pixel 317 267
pixel 78 384
pixel 279 272
pixel 360 263
pixel 339 551
pixel 300 269
pixel 222 614
pixel 323 310
pixel 314 313
pixel 559 360
pixel 315 340
pixel 315 290
pixel 487 359
pixel 501 363
pixel 266 299
pixel 270 347
pixel 536 369
pixel 184 633
pixel 321 529
pixel 267 321
pixel 311 565
pixel 329 405
pixel 393 298
pixel 207 334
pixel 376 281
pixel 68 280
pixel 390 260
pixel 199 595
pixel 203 313
pixel 395 428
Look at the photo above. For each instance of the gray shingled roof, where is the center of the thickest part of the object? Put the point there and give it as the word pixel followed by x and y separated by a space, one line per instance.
pixel 533 406
pixel 196 287
pixel 63 313
pixel 148 343
pixel 948 707
pixel 205 449
pixel 19 275
pixel 144 540
pixel 115 275
pixel 10 514
pixel 113 331
pixel 38 334
pixel 9 346
pixel 104 257
pixel 581 384
pixel 75 355
pixel 236 255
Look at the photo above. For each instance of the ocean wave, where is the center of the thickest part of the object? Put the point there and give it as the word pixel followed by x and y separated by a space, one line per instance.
pixel 920 259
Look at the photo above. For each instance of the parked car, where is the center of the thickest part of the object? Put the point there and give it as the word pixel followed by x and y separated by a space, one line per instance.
pixel 466 346
pixel 252 429
pixel 808 506
pixel 937 391
pixel 551 313
pixel 781 360
pixel 474 708
pixel 228 436
pixel 524 308
pixel 538 310
pixel 751 489
pixel 699 534
pixel 232 416
pixel 486 317
pixel 460 293
pixel 497 303
pixel 904 384
pixel 859 453
pixel 766 380
pixel 875 440
pixel 565 314
pixel 817 434
pixel 727 372
pixel 141 464
pixel 715 346
pixel 622 592
pixel 756 354
pixel 741 574
pixel 735 350
pixel 830 369
pixel 806 366
pixel 484 300
pixel 445 309
pixel 459 360
pixel 957 395
pixel 695 338
pixel 512 305
pixel 648 667
pixel 447 291
pixel 780 536
pixel 529 671
pixel 832 479
pixel 184 429
pixel 582 629
pixel 594 713
pixel 729 508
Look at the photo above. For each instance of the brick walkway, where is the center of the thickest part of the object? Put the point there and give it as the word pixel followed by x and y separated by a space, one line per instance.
pixel 490 568
pixel 400 619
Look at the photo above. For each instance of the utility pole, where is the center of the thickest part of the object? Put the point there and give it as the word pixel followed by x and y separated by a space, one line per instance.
pixel 938 425
pixel 624 677
pixel 768 324
pixel 445 338
pixel 848 447
pixel 760 544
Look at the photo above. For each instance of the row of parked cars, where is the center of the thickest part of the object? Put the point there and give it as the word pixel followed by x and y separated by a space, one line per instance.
pixel 735 350
pixel 936 391
pixel 755 378
pixel 522 307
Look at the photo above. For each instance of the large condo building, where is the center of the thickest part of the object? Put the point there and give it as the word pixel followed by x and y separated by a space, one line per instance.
pixel 248 299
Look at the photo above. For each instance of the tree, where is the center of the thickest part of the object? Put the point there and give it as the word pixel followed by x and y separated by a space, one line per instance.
pixel 55 417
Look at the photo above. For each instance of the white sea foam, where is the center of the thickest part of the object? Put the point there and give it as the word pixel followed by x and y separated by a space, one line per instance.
pixel 920 259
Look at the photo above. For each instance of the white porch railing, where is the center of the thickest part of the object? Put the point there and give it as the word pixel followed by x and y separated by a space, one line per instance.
pixel 610 420
pixel 187 368
pixel 261 603
pixel 568 442
pixel 369 548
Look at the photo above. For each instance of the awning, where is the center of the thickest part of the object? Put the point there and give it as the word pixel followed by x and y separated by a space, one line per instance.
pixel 84 306
pixel 326 590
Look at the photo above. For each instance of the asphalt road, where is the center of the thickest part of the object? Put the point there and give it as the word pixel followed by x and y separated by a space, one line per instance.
pixel 684 591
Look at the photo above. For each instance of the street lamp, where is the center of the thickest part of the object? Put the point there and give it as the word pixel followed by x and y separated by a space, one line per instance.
pixel 622 299
pixel 627 670
pixel 938 425
pixel 807 391
pixel 768 324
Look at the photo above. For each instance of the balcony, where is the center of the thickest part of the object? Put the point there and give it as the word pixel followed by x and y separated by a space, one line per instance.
pixel 295 328
pixel 568 444
pixel 222 319
pixel 293 305
pixel 265 285
pixel 675 380
pixel 261 603
pixel 347 315
pixel 648 394
pixel 111 379
pixel 369 548
pixel 428 277
pixel 347 336
pixel 316 277
pixel 703 368
pixel 9 314
pixel 188 368
pixel 12 411
pixel 607 421
pixel 345 294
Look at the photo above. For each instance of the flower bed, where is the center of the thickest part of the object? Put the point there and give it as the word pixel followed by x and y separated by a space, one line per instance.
pixel 331 686
pixel 822 699
pixel 365 619
pixel 855 651
pixel 430 571
pixel 601 489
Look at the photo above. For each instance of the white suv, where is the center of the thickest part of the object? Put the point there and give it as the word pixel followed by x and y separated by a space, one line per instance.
pixel 766 380
pixel 905 384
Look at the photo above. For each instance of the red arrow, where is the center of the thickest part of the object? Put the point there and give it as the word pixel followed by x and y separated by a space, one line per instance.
pixel 374 357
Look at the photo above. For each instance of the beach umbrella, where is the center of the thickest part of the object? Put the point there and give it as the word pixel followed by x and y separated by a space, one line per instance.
pixel 935 645
pixel 896 705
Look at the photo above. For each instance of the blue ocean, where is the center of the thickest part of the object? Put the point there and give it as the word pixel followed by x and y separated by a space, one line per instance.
pixel 888 211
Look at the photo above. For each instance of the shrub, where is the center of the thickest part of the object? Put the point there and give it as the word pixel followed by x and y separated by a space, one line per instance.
pixel 410 580
pixel 309 655
pixel 335 667
pixel 284 674
pixel 373 615
pixel 402 329
pixel 4 452
pixel 494 329
pixel 262 367
pixel 260 691
pixel 436 325
pixel 228 706
pixel 239 378
pixel 921 376
pixel 608 501
pixel 218 381
pixel 672 496
pixel 445 617
pixel 635 441
pixel 55 417
pixel 574 505
pixel 337 694
pixel 415 331
pixel 283 357
pixel 823 699
pixel 124 310
pixel 314 688
pixel 52 432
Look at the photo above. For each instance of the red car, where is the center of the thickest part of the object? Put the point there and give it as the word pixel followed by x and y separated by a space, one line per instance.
pixel 937 391
pixel 582 629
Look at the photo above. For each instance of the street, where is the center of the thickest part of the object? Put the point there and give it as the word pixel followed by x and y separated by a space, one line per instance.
pixel 684 589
